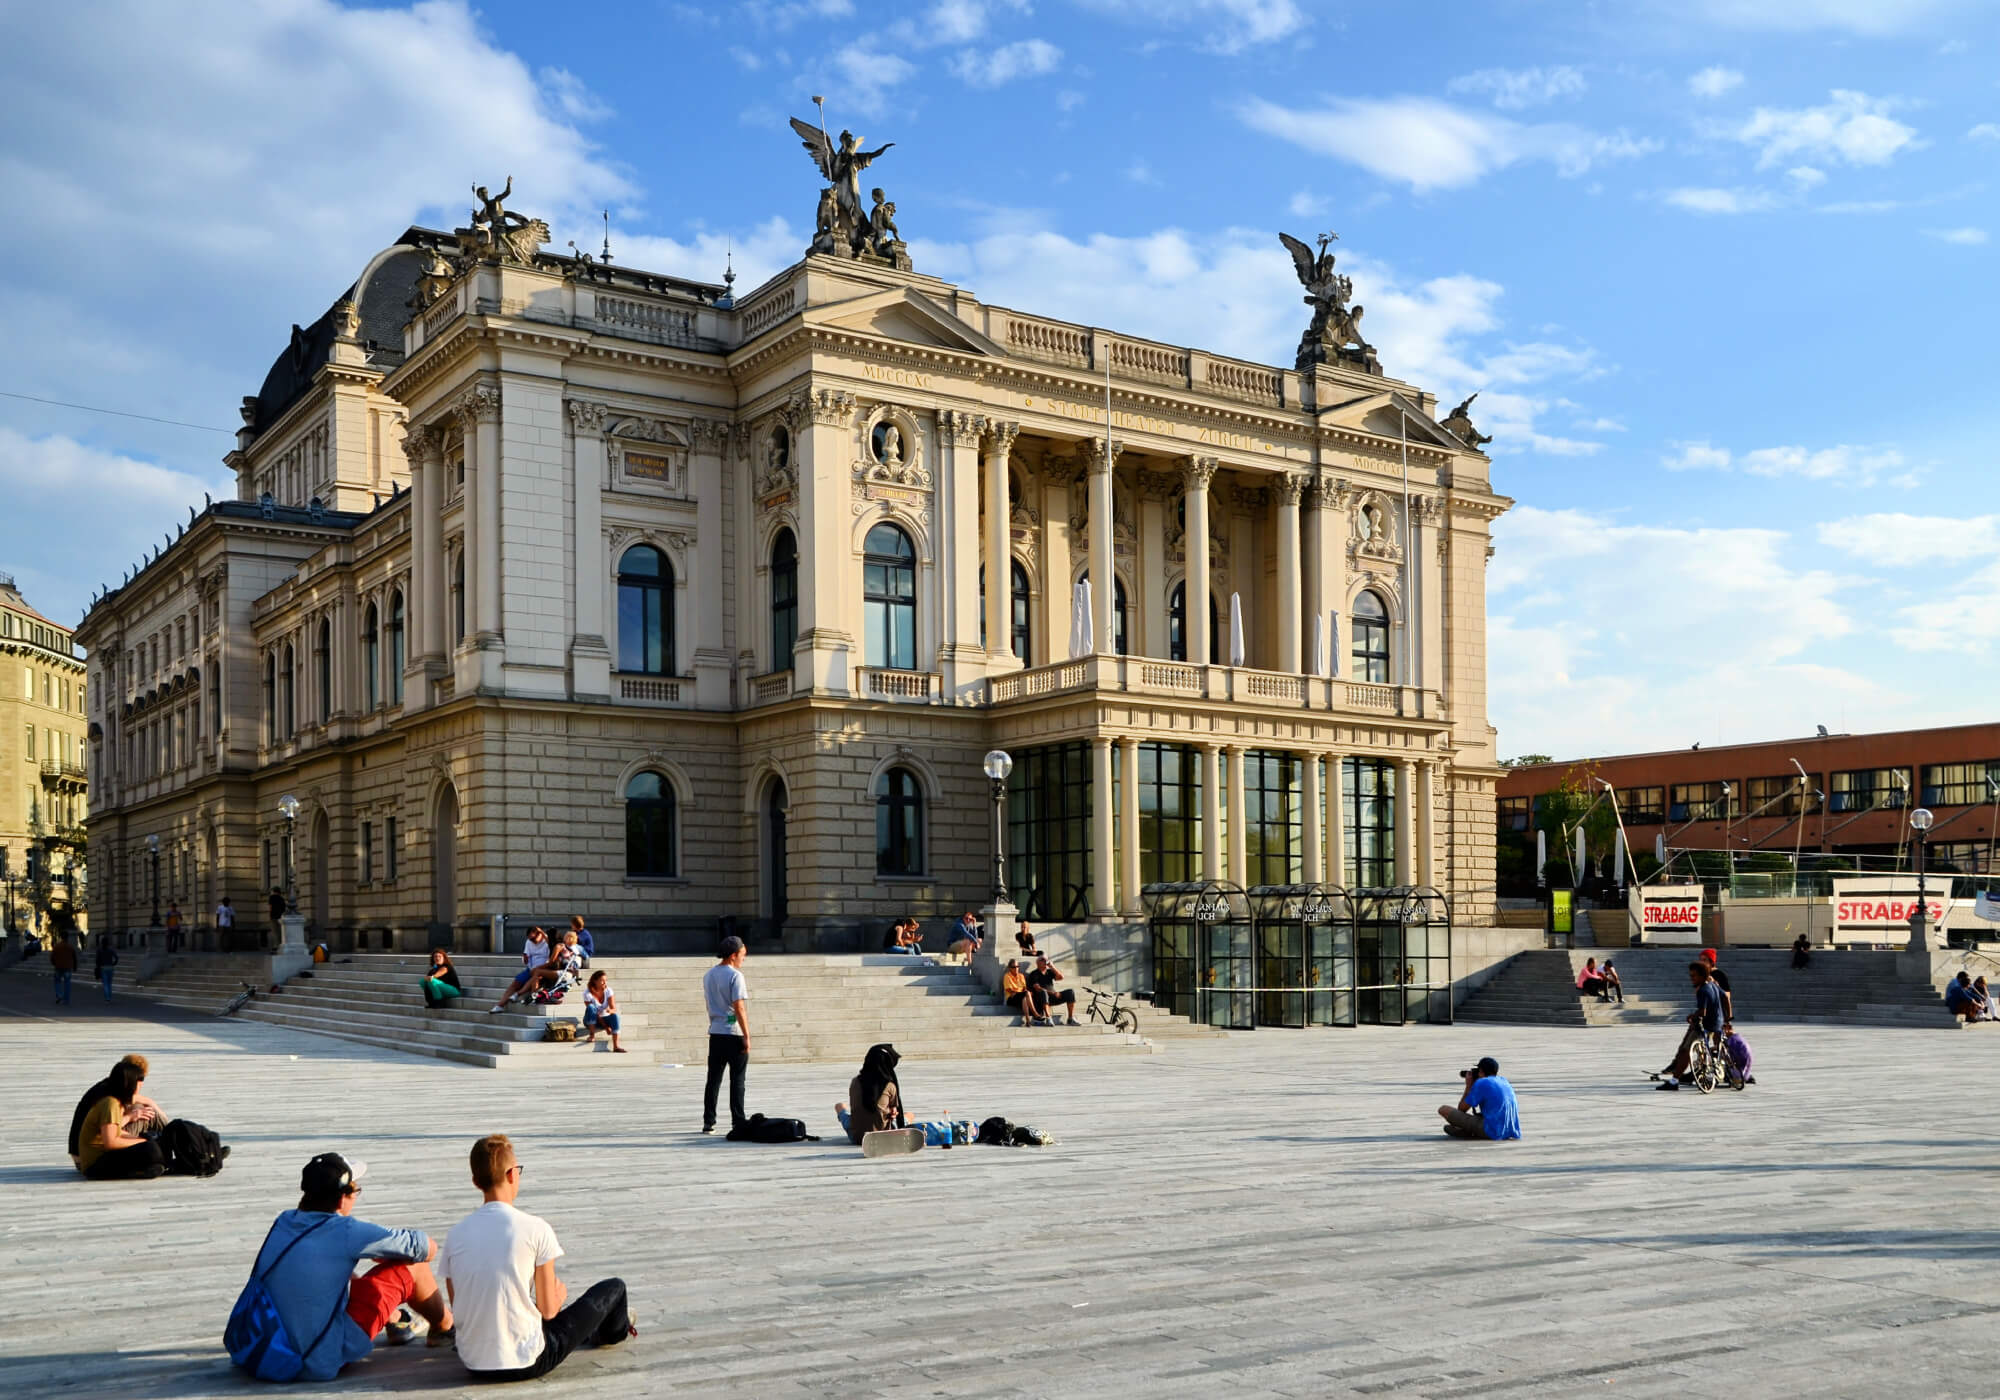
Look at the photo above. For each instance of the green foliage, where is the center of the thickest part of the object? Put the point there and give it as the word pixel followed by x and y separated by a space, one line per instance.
pixel 1526 760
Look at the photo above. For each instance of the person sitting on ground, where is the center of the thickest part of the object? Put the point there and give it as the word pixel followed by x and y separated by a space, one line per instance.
pixel 534 953
pixel 966 938
pixel 875 1094
pixel 441 984
pixel 142 1115
pixel 1486 1111
pixel 307 1266
pixel 1042 981
pixel 1025 937
pixel 1960 1001
pixel 1721 980
pixel 106 1147
pixel 1801 951
pixel 1014 989
pixel 1590 981
pixel 1706 1019
pixel 1612 982
pixel 585 944
pixel 600 1010
pixel 499 1267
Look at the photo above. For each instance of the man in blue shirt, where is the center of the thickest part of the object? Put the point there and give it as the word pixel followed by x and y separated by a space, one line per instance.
pixel 307 1264
pixel 583 938
pixel 1486 1110
pixel 1705 1019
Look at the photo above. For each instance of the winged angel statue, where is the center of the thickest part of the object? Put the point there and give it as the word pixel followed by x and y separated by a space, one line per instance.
pixel 1335 332
pixel 843 227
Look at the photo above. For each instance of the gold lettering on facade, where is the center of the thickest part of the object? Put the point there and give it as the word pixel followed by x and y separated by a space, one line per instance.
pixel 650 465
pixel 1165 427
pixel 885 374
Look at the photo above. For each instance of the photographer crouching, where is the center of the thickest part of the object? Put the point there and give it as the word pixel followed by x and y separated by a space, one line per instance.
pixel 1486 1109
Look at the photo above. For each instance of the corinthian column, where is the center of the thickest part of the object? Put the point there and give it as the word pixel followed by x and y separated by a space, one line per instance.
pixel 962 659
pixel 1287 488
pixel 824 420
pixel 1103 568
pixel 1196 473
pixel 711 656
pixel 589 653
pixel 999 547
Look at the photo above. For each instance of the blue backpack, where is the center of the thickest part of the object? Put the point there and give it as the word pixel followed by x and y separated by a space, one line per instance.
pixel 256 1335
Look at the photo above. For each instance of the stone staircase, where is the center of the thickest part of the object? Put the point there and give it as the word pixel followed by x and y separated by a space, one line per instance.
pixel 803 1008
pixel 1840 988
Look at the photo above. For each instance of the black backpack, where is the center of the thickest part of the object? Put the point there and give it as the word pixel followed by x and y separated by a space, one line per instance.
pixel 996 1132
pixel 762 1129
pixel 191 1149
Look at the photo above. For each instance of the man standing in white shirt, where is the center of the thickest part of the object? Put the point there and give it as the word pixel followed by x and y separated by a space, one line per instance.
pixel 725 991
pixel 499 1268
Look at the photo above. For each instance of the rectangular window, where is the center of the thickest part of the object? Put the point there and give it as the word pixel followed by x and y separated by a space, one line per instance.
pixel 1700 802
pixel 31 741
pixel 1517 813
pixel 1781 796
pixel 1867 789
pixel 1961 784
pixel 1368 797
pixel 1642 806
pixel 1963 857
pixel 389 850
pixel 1273 818
pixel 1169 813
pixel 269 882
pixel 367 852
pixel 1048 832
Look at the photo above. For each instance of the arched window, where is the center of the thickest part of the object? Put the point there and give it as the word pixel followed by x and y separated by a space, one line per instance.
pixel 1118 642
pixel 784 599
pixel 323 669
pixel 1177 627
pixel 899 824
pixel 889 594
pixel 288 715
pixel 458 596
pixel 1371 638
pixel 270 698
pixel 396 647
pixel 371 658
pixel 649 826
pixel 1020 624
pixel 645 612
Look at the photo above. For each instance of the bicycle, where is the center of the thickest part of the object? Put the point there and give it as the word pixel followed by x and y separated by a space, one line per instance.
pixel 236 1003
pixel 1709 1065
pixel 1118 1016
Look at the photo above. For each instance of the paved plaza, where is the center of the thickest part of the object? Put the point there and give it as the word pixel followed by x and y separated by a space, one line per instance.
pixel 1271 1215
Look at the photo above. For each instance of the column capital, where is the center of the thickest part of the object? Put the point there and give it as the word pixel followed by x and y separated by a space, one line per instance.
pixel 1000 436
pixel 959 428
pixel 1329 492
pixel 833 407
pixel 586 419
pixel 1127 742
pixel 1098 459
pixel 711 433
pixel 1100 741
pixel 480 404
pixel 1197 472
pixel 1289 486
pixel 424 442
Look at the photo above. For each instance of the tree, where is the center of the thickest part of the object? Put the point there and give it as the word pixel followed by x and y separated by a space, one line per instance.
pixel 1526 760
pixel 57 869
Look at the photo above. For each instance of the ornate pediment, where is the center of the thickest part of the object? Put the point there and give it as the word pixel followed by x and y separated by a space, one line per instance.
pixel 905 315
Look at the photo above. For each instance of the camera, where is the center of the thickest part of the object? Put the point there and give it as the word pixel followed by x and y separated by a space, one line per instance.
pixel 1472 1073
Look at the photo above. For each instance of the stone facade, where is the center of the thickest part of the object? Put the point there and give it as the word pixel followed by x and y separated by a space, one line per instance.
pixel 44 753
pixel 577 597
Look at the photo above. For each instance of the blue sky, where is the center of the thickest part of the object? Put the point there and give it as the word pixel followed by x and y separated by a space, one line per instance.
pixel 1721 270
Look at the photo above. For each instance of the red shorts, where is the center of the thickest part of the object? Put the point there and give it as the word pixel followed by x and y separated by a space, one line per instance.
pixel 372 1299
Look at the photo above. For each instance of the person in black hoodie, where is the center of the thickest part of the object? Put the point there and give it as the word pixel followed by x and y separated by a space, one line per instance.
pixel 876 1095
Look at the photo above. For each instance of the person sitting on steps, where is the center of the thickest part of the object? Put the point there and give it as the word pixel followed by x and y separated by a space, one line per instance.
pixel 542 965
pixel 1025 937
pixel 1612 984
pixel 1801 952
pixel 441 984
pixel 1042 983
pixel 1590 981
pixel 1014 989
pixel 1961 1000
pixel 600 1010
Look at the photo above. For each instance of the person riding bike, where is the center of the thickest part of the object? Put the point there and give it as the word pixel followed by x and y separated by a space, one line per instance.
pixel 1705 1020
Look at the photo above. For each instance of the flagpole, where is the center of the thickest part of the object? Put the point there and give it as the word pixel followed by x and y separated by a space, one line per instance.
pixel 1409 574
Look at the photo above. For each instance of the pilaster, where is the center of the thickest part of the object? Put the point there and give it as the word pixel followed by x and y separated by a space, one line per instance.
pixel 589 652
pixel 961 657
pixel 711 654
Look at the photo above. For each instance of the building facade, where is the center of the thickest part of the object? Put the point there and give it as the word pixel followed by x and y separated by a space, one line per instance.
pixel 1840 794
pixel 559 585
pixel 44 750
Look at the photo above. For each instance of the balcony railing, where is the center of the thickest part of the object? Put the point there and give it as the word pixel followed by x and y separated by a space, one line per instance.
pixel 1139 675
pixel 907 687
pixel 58 770
pixel 768 690
pixel 651 690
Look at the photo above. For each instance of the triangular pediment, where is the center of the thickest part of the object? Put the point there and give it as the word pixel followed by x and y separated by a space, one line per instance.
pixel 1388 414
pixel 906 315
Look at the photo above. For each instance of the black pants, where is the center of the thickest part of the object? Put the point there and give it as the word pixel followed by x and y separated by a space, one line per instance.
pixel 136 1163
pixel 598 1318
pixel 725 1051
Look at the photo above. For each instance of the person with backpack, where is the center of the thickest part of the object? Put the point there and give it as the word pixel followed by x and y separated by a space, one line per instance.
pixel 141 1114
pixel 303 1315
pixel 725 993
pixel 106 1147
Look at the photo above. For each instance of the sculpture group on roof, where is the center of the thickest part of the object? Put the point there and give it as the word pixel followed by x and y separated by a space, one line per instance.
pixel 1335 332
pixel 841 227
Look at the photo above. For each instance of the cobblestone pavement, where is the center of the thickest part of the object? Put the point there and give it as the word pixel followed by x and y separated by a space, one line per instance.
pixel 1274 1215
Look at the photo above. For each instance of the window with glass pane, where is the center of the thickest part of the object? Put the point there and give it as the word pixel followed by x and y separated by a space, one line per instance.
pixel 1169 813
pixel 1368 792
pixel 1274 818
pixel 1640 806
pixel 396 648
pixel 1866 789
pixel 323 666
pixel 371 658
pixel 899 824
pixel 645 612
pixel 1370 653
pixel 1048 831
pixel 889 597
pixel 458 597
pixel 784 600
pixel 1516 813
pixel 1177 627
pixel 288 714
pixel 649 826
pixel 1019 608
pixel 1779 796
pixel 1701 802
pixel 1961 784
pixel 1118 616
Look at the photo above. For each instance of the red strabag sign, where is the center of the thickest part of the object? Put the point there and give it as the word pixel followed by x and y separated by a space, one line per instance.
pixel 1668 913
pixel 1877 908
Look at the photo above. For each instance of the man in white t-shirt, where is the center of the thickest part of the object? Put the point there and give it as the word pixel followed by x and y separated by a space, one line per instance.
pixel 499 1268
pixel 725 992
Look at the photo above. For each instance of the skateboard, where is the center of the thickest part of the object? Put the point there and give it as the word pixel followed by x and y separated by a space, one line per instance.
pixel 892 1142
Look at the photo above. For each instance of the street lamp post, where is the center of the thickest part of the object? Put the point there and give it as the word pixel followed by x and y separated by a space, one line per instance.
pixel 288 807
pixel 153 847
pixel 998 765
pixel 1920 822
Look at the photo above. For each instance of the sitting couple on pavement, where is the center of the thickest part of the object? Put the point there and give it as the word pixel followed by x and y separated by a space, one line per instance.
pixel 304 1315
pixel 113 1132
pixel 1033 993
pixel 543 968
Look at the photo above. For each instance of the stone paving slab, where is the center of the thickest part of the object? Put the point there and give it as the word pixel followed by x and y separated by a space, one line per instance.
pixel 1274 1214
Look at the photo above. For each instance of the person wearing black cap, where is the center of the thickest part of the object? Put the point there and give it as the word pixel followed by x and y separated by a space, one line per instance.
pixel 1486 1110
pixel 307 1264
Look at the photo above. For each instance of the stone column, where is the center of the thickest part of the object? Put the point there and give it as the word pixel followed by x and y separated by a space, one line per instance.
pixel 1101 852
pixel 1149 620
pixel 711 652
pixel 1103 564
pixel 482 407
pixel 1312 573
pixel 1287 488
pixel 1336 820
pixel 1211 812
pixel 1239 848
pixel 1431 594
pixel 1405 819
pixel 1196 473
pixel 589 651
pixel 1426 816
pixel 962 658
pixel 824 442
pixel 1058 593
pixel 1128 817
pixel 1000 547
pixel 1315 849
pixel 426 648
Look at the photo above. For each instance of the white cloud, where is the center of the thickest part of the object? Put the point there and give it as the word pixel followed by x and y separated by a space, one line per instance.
pixel 1968 237
pixel 1307 205
pixel 577 101
pixel 1226 26
pixel 1889 538
pixel 1714 82
pixel 1805 177
pixel 757 255
pixel 1599 425
pixel 1512 89
pixel 1867 17
pixel 1843 464
pixel 1985 131
pixel 1697 200
pixel 1953 46
pixel 864 73
pixel 784 14
pixel 1026 58
pixel 1696 456
pixel 1852 128
pixel 1429 144
pixel 1140 173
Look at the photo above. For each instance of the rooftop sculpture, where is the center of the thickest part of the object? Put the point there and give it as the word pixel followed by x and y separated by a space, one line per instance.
pixel 1335 332
pixel 1459 424
pixel 842 228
